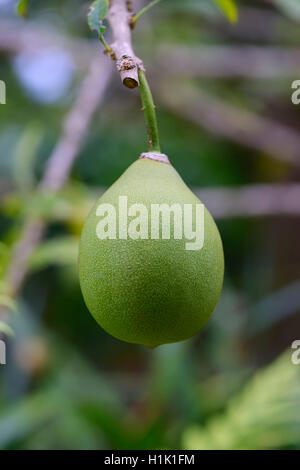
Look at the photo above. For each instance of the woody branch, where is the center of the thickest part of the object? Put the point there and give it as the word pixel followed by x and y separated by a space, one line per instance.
pixel 128 64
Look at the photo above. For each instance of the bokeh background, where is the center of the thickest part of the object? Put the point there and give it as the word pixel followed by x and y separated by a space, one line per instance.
pixel 68 130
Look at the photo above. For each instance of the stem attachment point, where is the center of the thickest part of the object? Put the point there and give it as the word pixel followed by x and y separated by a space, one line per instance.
pixel 159 157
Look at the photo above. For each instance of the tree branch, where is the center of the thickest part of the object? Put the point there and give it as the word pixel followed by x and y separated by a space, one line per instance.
pixel 128 64
pixel 253 200
pixel 240 125
pixel 76 126
pixel 208 61
pixel 229 61
pixel 249 200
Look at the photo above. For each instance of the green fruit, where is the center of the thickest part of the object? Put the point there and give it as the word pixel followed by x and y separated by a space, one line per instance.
pixel 150 291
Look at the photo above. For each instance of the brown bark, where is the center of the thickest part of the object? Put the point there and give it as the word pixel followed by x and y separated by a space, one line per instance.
pixel 127 63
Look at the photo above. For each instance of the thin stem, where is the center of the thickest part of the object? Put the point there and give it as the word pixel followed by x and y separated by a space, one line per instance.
pixel 150 114
pixel 107 47
pixel 137 16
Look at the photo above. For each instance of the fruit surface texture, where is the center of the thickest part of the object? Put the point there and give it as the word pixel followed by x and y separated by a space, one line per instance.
pixel 150 291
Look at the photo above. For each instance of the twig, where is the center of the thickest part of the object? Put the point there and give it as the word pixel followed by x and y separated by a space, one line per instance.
pixel 127 63
pixel 217 61
pixel 32 232
pixel 242 126
pixel 250 200
pixel 227 61
pixel 131 68
pixel 75 126
pixel 254 200
pixel 58 168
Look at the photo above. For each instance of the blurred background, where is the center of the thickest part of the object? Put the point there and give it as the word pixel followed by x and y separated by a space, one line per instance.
pixel 67 131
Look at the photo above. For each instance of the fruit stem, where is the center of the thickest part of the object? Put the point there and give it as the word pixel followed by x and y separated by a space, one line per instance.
pixel 149 111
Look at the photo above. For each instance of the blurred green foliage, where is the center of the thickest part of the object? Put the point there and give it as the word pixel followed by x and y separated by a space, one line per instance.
pixel 67 384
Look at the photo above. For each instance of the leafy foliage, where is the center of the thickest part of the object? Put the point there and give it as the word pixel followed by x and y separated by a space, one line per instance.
pixel 266 404
pixel 58 251
pixel 6 329
pixel 97 13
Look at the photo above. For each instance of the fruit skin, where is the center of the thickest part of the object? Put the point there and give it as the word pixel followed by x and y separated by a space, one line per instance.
pixel 150 292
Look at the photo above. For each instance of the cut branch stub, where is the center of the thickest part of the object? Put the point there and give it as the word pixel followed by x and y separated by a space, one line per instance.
pixel 127 63
pixel 128 69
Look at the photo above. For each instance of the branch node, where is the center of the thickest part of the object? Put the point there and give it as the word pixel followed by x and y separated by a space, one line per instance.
pixel 127 63
pixel 129 6
pixel 132 21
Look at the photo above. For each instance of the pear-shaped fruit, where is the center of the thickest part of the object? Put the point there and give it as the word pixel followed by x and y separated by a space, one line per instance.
pixel 142 287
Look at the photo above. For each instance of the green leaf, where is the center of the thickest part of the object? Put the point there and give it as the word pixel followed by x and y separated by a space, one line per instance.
pixel 289 7
pixel 8 302
pixel 45 205
pixel 229 9
pixel 6 329
pixel 97 13
pixel 23 418
pixel 261 416
pixel 22 8
pixel 58 251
